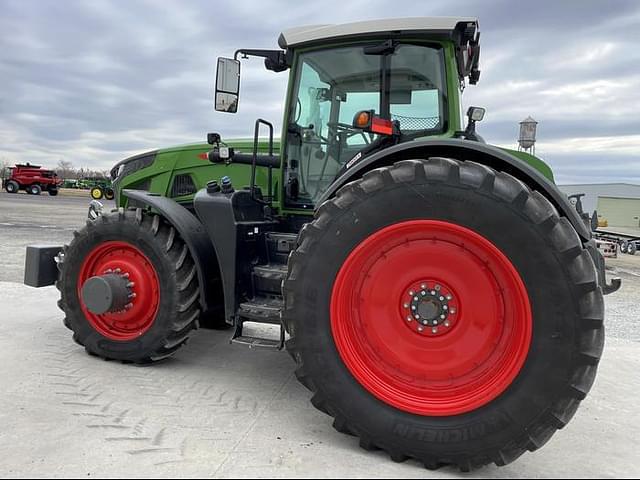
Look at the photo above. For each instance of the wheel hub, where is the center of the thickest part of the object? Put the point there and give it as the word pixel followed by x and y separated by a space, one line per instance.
pixel 429 308
pixel 108 293
pixel 119 290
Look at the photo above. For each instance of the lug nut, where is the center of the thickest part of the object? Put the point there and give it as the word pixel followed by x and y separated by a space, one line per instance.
pixel 409 319
pixel 443 316
pixel 433 292
pixel 452 310
pixel 420 329
pixel 423 286
pixel 434 330
pixel 406 305
pixel 441 298
pixel 445 307
pixel 449 297
pixel 423 293
pixel 411 292
pixel 437 287
pixel 446 323
pixel 424 322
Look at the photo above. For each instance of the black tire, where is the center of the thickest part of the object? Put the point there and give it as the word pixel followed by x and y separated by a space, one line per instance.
pixel 12 186
pixel 559 275
pixel 623 247
pixel 108 193
pixel 632 248
pixel 179 306
pixel 34 189
pixel 53 192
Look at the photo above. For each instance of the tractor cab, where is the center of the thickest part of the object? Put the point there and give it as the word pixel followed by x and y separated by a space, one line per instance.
pixel 357 89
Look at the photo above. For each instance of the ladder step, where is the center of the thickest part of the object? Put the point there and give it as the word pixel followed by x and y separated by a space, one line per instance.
pixel 268 278
pixel 262 310
pixel 279 245
pixel 255 342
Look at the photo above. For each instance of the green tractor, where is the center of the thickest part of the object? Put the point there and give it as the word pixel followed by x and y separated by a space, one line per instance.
pixel 442 299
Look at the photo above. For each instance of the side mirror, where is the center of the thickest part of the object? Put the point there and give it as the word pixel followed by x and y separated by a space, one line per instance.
pixel 227 85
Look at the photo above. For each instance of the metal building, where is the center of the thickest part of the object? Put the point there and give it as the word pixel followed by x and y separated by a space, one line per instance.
pixel 618 203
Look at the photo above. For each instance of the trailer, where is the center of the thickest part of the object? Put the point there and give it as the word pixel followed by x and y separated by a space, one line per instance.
pixel 627 242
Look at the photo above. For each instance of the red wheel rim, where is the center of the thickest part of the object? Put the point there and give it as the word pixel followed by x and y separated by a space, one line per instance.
pixel 127 260
pixel 433 369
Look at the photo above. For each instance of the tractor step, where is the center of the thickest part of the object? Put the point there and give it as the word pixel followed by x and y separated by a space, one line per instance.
pixel 255 342
pixel 279 245
pixel 268 278
pixel 259 335
pixel 261 310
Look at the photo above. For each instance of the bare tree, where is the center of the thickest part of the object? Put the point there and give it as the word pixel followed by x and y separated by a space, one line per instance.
pixel 65 169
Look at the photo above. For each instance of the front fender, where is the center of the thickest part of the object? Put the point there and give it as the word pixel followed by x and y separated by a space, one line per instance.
pixel 465 150
pixel 194 235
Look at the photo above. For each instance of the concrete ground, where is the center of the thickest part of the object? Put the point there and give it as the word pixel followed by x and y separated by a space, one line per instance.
pixel 219 410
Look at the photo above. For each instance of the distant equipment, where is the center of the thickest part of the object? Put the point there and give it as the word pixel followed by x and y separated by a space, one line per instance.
pixel 527 138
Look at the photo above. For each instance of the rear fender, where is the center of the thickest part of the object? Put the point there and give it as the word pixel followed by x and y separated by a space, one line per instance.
pixel 465 150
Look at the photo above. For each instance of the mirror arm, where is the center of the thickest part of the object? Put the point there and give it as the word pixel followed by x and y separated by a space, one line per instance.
pixel 275 60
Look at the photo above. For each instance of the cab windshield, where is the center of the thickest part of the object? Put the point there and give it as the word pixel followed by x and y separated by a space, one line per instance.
pixel 405 83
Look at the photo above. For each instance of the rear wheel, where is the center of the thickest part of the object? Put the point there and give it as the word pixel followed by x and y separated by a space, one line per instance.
pixel 96 193
pixel 422 324
pixel 129 287
pixel 632 248
pixel 108 193
pixel 12 187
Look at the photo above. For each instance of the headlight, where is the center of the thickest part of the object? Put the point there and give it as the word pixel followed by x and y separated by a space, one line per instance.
pixel 133 164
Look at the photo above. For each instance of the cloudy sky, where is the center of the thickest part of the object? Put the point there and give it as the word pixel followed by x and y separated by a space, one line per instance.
pixel 94 81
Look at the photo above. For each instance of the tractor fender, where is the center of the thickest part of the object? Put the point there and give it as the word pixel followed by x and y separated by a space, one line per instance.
pixel 464 150
pixel 194 235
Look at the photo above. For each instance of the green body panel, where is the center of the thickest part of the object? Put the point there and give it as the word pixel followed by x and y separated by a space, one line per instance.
pixel 191 159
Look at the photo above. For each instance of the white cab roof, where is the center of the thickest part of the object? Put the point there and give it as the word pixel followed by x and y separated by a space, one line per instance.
pixel 314 33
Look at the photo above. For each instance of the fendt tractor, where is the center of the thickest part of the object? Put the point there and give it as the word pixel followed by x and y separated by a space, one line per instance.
pixel 442 299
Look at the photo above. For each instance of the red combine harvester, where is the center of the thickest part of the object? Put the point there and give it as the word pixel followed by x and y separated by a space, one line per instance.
pixel 33 179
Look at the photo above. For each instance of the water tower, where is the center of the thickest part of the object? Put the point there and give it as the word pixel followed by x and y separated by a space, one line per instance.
pixel 527 139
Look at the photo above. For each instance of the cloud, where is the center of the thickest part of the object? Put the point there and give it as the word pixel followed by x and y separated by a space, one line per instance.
pixel 93 82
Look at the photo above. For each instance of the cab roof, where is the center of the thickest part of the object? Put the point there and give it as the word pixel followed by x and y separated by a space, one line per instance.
pixel 421 26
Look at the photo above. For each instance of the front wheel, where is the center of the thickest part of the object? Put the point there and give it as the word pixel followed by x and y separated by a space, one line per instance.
pixel 96 193
pixel 53 192
pixel 34 189
pixel 129 287
pixel 12 187
pixel 442 311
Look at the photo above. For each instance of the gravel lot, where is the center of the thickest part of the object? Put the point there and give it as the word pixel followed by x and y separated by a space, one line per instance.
pixel 223 411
